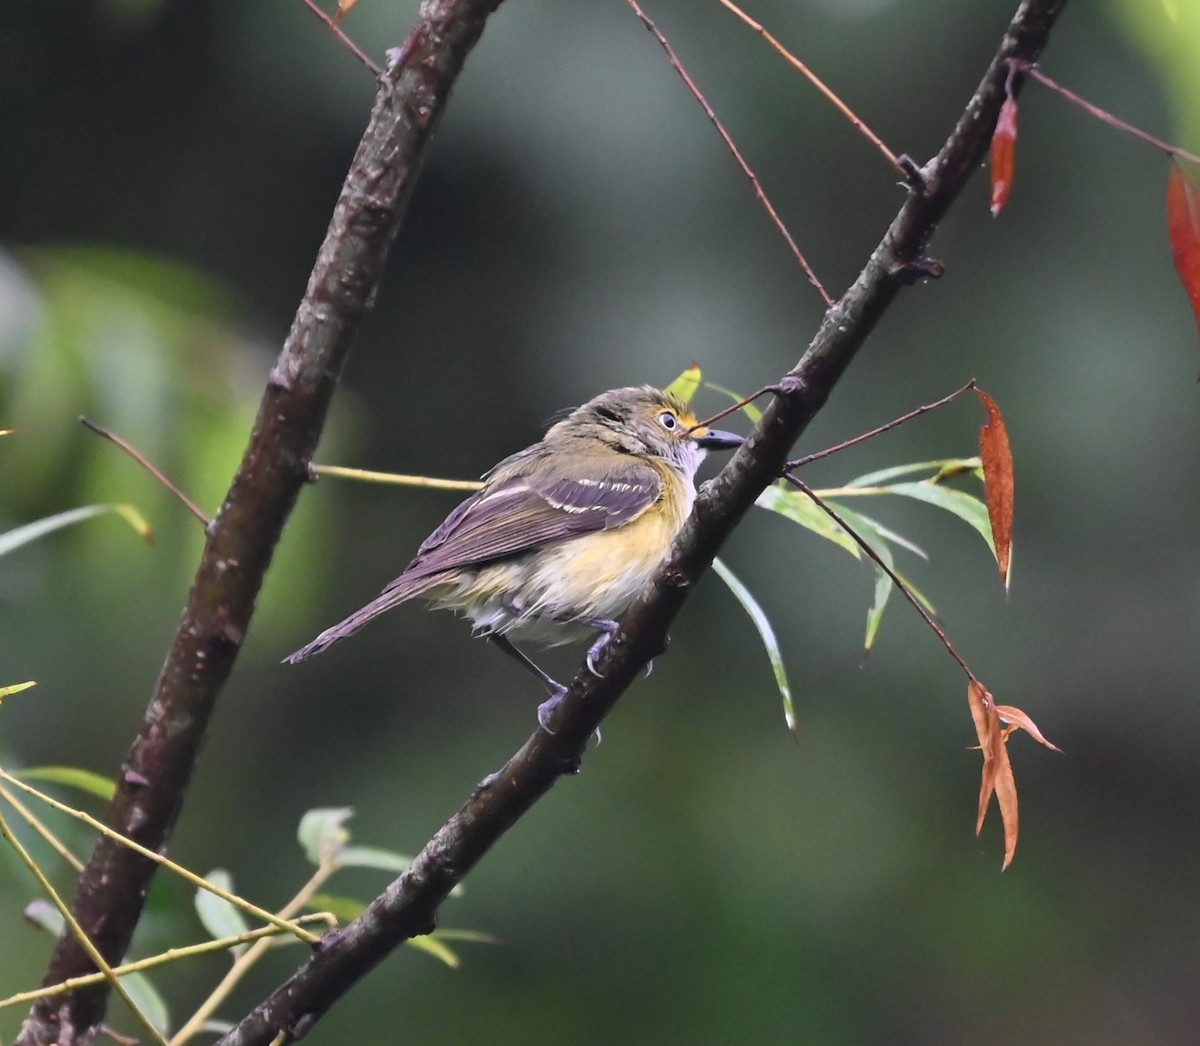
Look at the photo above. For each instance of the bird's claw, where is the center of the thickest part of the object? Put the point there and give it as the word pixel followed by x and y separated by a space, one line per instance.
pixel 547 707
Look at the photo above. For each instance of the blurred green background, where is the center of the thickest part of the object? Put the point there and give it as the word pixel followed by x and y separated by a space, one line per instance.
pixel 167 174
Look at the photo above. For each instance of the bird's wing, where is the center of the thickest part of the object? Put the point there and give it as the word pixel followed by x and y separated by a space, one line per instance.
pixel 527 512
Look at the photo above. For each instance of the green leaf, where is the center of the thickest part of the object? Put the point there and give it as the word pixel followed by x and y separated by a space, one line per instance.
pixel 749 409
pixel 373 857
pixel 220 918
pixel 344 909
pixel 869 532
pixel 23 535
pixel 794 505
pixel 685 386
pixel 940 468
pixel 322 832
pixel 430 945
pixel 966 506
pixel 73 777
pixel 761 622
pixel 15 688
pixel 148 999
pixel 44 916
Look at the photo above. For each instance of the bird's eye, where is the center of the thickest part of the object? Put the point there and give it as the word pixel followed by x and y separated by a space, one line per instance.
pixel 668 421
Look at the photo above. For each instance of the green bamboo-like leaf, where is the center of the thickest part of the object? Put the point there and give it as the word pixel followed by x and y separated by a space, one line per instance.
pixel 967 507
pixel 761 622
pixel 749 409
pixel 431 945
pixel 23 535
pixel 794 505
pixel 940 468
pixel 16 688
pixel 220 918
pixel 73 777
pixel 44 916
pixel 867 530
pixel 685 386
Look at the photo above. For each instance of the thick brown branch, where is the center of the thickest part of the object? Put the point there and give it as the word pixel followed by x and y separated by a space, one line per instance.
pixel 409 905
pixel 412 95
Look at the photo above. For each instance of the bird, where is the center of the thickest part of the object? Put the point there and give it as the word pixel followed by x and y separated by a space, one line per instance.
pixel 563 535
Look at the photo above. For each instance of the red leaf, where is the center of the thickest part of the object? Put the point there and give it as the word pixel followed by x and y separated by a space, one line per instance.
pixel 1183 225
pixel 997 776
pixel 1004 141
pixel 996 453
pixel 1018 720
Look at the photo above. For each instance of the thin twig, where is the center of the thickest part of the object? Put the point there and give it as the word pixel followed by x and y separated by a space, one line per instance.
pixel 246 961
pixel 171 955
pixel 145 462
pixel 85 942
pixel 673 58
pixel 924 409
pixel 816 499
pixel 743 402
pixel 39 826
pixel 166 862
pixel 337 31
pixel 820 85
pixel 1100 114
pixel 396 478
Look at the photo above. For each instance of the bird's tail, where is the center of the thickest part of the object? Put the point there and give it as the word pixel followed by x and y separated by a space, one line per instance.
pixel 396 593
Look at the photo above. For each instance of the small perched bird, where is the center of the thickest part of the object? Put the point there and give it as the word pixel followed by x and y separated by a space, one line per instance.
pixel 564 534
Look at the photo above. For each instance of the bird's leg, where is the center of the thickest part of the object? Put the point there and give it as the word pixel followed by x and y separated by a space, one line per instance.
pixel 553 685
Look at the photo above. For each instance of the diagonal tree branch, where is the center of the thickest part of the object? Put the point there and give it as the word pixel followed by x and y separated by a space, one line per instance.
pixel 408 907
pixel 413 91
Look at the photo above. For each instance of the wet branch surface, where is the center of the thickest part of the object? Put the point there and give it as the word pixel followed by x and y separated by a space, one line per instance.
pixel 408 907
pixel 412 95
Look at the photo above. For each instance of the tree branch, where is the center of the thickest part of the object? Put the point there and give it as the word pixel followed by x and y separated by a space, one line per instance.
pixel 409 905
pixel 412 95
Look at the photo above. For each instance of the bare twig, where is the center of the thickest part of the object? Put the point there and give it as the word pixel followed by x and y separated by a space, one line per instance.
pixel 872 555
pixel 759 192
pixel 820 85
pixel 1031 70
pixel 894 423
pixel 337 31
pixel 149 466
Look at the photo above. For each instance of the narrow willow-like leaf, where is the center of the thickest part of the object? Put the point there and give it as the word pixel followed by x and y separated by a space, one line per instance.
pixel 685 386
pixel 966 506
pixel 761 622
pixel 749 409
pixel 866 529
pixel 73 777
pixel 797 507
pixel 16 688
pixel 23 535
pixel 438 949
pixel 941 467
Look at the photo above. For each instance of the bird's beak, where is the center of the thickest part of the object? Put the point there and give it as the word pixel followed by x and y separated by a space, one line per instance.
pixel 715 439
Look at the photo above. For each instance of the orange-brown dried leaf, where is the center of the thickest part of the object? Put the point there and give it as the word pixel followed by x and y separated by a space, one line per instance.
pixel 1183 226
pixel 997 777
pixel 343 9
pixel 996 454
pixel 1004 147
pixel 1018 720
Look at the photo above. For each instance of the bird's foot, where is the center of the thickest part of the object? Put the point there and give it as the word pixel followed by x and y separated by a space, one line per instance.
pixel 547 707
pixel 607 628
